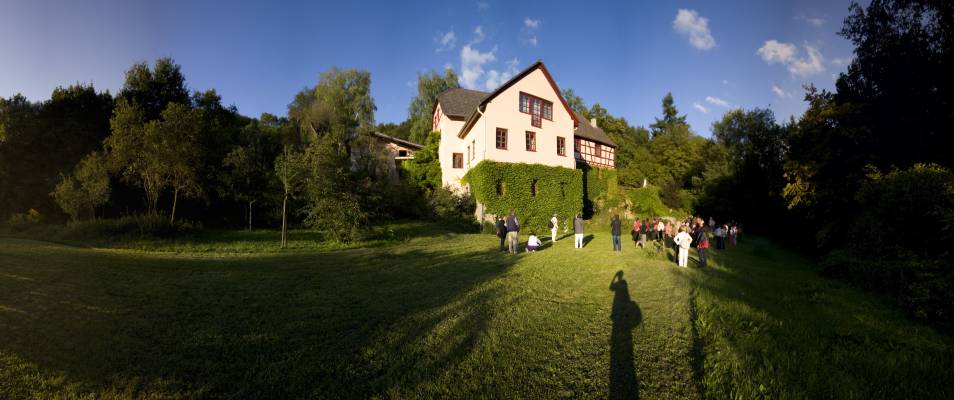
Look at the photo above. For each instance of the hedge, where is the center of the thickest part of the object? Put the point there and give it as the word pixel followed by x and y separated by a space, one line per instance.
pixel 501 187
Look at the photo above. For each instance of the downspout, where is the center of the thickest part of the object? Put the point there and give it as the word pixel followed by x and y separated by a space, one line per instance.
pixel 480 207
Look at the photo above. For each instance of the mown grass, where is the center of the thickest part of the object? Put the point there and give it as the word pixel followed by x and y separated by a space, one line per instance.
pixel 443 315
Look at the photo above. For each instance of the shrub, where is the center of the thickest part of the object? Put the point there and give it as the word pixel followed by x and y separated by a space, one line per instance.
pixel 535 192
pixel 645 202
pixel 22 221
pixel 132 227
pixel 600 188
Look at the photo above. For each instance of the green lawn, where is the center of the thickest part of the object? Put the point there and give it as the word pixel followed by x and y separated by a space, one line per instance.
pixel 420 313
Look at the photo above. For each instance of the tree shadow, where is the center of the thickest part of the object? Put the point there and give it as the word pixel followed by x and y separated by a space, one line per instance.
pixel 365 320
pixel 626 315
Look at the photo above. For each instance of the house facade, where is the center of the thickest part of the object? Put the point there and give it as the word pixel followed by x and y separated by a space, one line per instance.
pixel 525 120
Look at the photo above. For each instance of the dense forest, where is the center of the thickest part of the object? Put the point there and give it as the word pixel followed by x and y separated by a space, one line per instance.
pixel 862 180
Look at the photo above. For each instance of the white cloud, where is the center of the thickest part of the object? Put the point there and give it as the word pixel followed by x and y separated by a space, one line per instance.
pixel 483 5
pixel 495 79
pixel 842 61
pixel 775 52
pixel 528 34
pixel 700 107
pixel 688 22
pixel 446 41
pixel 725 81
pixel 781 93
pixel 717 101
pixel 478 35
pixel 472 65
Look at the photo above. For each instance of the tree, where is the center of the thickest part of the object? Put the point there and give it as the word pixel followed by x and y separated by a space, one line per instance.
pixel 249 166
pixel 421 109
pixel 290 169
pixel 133 151
pixel 575 102
pixel 85 189
pixel 153 89
pixel 176 138
pixel 670 117
pixel 425 169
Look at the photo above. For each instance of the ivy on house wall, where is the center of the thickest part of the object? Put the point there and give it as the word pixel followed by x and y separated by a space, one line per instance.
pixel 535 191
pixel 600 187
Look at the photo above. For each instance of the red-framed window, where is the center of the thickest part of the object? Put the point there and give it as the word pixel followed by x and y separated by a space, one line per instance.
pixel 561 146
pixel 501 139
pixel 531 141
pixel 539 109
pixel 458 160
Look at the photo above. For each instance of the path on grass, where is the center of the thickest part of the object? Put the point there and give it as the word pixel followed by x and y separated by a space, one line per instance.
pixel 441 316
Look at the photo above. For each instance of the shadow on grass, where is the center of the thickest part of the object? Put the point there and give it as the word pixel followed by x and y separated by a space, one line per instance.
pixel 346 324
pixel 587 239
pixel 762 315
pixel 626 315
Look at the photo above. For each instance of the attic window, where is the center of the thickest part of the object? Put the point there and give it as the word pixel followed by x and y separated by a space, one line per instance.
pixel 539 109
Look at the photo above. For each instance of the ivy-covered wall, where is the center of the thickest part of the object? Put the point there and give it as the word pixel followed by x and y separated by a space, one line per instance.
pixel 600 187
pixel 535 191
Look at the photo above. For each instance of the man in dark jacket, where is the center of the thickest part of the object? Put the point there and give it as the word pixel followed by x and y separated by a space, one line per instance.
pixel 501 231
pixel 615 225
pixel 513 232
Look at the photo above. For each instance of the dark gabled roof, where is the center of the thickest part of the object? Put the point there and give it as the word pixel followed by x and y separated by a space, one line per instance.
pixel 460 103
pixel 472 118
pixel 590 132
pixel 399 141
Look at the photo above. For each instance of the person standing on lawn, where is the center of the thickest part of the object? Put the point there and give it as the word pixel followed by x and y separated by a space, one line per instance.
pixel 683 240
pixel 501 231
pixel 660 227
pixel 702 243
pixel 636 226
pixel 513 232
pixel 616 228
pixel 578 231
pixel 554 223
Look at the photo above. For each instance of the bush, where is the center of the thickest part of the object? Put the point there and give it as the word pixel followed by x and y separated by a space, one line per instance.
pixel 535 192
pixel 22 221
pixel 600 187
pixel 645 202
pixel 132 227
pixel 901 240
pixel 449 207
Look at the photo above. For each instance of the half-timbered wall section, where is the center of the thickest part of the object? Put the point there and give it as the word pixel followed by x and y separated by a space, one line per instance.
pixel 594 154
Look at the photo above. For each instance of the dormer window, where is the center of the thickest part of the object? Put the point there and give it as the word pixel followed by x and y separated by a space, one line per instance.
pixel 538 109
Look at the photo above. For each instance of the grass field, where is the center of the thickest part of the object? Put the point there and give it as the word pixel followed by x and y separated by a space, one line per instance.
pixel 420 313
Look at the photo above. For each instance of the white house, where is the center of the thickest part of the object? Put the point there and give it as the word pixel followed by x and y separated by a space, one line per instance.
pixel 525 120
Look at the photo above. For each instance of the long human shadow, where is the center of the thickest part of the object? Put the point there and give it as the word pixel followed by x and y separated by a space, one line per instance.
pixel 626 315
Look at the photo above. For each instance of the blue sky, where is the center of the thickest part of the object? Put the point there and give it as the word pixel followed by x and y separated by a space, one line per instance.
pixel 623 54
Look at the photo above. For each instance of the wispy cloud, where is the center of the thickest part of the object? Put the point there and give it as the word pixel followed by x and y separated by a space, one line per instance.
pixel 775 52
pixel 717 102
pixel 528 33
pixel 842 61
pixel 814 21
pixel 472 65
pixel 495 79
pixel 478 35
pixel 688 22
pixel 725 81
pixel 446 41
pixel 483 5
pixel 781 93
pixel 700 107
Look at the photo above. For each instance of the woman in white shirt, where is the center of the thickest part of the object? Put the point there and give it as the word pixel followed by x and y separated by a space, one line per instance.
pixel 553 228
pixel 533 243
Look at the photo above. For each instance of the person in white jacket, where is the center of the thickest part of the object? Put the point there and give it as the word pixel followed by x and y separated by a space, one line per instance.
pixel 683 240
pixel 553 227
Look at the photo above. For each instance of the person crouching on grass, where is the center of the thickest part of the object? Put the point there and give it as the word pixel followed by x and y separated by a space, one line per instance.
pixel 533 243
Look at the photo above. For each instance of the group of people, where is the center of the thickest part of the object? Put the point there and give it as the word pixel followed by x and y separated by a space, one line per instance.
pixel 508 230
pixel 682 235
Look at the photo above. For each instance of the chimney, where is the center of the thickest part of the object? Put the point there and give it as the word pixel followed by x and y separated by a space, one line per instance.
pixel 593 122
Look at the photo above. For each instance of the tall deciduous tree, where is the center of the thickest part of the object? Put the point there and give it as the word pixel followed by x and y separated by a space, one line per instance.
pixel 177 140
pixel 153 89
pixel 420 110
